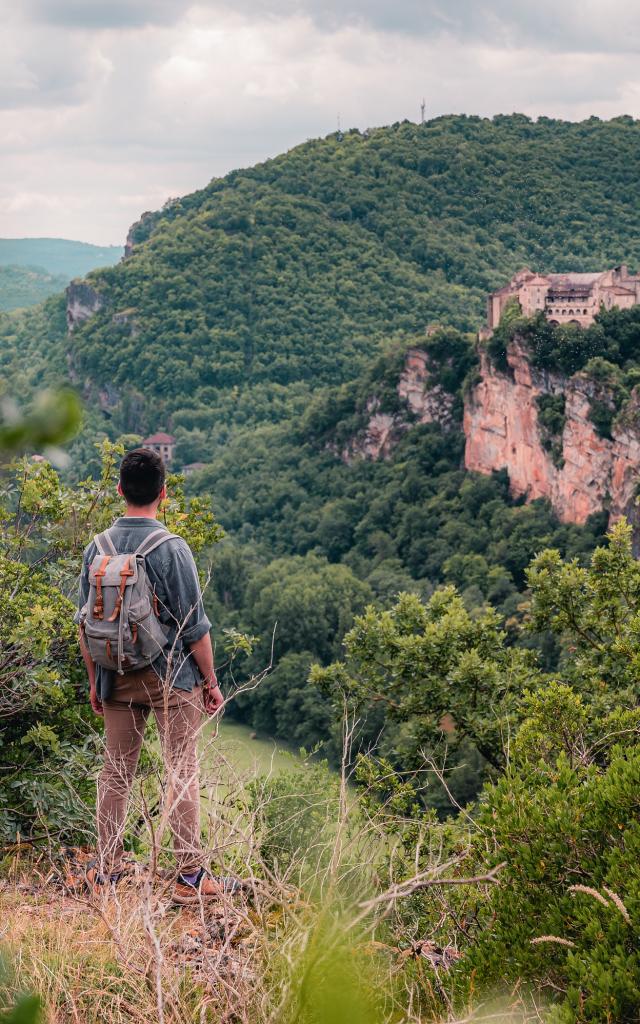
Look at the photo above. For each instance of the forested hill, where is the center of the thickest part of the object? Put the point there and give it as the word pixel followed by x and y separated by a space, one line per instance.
pixel 290 273
pixel 21 287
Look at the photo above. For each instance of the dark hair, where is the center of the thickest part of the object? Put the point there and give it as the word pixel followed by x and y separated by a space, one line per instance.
pixel 141 476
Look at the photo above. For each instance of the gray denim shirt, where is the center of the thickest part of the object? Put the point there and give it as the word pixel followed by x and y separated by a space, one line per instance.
pixel 173 575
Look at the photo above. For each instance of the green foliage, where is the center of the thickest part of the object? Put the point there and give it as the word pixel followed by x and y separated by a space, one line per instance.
pixel 551 421
pixel 409 523
pixel 32 348
pixel 333 980
pixel 309 602
pixel 53 418
pixel 598 608
pixel 292 272
pixel 45 735
pixel 561 816
pixel 510 323
pixel 296 812
pixel 451 358
pixel 613 340
pixel 564 819
pixel 423 662
pixel 267 317
pixel 25 1009
pixel 27 286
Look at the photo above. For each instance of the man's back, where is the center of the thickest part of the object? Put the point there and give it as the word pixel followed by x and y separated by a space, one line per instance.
pixel 174 579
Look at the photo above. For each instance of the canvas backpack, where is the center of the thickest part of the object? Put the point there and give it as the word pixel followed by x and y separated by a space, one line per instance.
pixel 121 618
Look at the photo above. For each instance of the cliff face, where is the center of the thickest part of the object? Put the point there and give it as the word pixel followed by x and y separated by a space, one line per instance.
pixel 140 231
pixel 586 473
pixel 420 402
pixel 503 432
pixel 82 302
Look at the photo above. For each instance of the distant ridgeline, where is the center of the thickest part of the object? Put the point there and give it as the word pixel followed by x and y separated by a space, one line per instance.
pixel 31 269
pixel 21 287
pixel 238 301
pixel 58 255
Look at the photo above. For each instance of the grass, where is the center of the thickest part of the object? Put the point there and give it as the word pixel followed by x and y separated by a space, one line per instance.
pixel 316 937
pixel 254 756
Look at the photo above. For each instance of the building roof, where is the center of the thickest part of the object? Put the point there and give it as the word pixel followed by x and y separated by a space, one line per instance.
pixel 571 279
pixel 160 438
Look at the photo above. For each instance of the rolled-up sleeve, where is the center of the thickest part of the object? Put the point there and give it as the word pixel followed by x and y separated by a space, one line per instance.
pixel 184 594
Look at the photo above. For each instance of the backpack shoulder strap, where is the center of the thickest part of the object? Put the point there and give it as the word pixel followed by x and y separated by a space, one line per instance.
pixel 104 544
pixel 153 540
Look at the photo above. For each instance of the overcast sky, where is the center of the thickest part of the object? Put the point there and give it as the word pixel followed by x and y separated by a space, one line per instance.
pixel 108 107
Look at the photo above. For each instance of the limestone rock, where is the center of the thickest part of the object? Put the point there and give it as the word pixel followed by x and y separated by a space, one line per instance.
pixel 83 302
pixel 429 403
pixel 423 401
pixel 502 432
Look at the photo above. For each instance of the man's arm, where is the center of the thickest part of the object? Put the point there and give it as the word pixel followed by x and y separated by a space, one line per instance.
pixel 202 652
pixel 94 700
pixel 83 594
pixel 184 598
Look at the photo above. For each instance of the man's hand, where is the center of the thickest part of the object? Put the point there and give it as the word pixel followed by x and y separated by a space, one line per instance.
pixel 94 700
pixel 202 652
pixel 212 696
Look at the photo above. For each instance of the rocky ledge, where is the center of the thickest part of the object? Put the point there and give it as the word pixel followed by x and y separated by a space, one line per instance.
pixel 502 431
pixel 420 401
pixel 83 301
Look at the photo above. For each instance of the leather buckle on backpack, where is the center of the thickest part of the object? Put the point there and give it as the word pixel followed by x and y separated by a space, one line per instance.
pixel 99 605
pixel 124 572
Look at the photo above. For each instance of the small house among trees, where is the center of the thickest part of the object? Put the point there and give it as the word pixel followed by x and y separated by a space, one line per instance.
pixel 163 444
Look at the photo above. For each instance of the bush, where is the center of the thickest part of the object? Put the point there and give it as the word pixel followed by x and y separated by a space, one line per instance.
pixel 296 812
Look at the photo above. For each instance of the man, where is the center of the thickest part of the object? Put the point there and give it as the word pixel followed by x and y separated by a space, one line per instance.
pixel 176 687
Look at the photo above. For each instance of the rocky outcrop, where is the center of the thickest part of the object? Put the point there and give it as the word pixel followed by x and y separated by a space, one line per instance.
pixel 140 231
pixel 83 302
pixel 421 401
pixel 428 402
pixel 379 437
pixel 502 432
pixel 108 398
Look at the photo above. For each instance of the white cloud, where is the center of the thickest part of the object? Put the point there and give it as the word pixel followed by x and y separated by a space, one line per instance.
pixel 19 202
pixel 107 109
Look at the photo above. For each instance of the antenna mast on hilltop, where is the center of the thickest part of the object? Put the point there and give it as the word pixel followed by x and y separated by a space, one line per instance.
pixel 423 107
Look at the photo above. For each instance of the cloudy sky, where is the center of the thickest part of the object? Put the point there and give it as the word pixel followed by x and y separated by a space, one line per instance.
pixel 108 107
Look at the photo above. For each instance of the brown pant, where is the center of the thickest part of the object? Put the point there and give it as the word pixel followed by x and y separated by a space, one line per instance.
pixel 179 715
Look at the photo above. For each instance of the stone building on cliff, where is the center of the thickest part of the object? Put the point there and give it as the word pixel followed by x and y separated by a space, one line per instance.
pixel 564 298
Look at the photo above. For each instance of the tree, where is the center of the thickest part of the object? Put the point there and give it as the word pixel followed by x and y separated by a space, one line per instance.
pixel 595 612
pixel 307 601
pixel 434 663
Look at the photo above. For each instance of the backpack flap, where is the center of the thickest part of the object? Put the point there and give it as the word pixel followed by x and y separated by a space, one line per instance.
pixel 110 575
